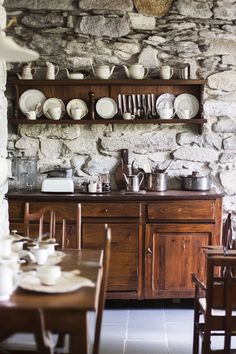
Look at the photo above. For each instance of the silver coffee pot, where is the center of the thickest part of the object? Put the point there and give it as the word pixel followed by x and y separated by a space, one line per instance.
pixel 133 182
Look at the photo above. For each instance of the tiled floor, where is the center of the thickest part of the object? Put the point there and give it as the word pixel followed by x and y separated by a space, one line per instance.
pixel 157 327
pixel 154 327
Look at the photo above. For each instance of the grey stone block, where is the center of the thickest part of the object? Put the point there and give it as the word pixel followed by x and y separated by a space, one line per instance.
pixel 120 5
pixel 101 26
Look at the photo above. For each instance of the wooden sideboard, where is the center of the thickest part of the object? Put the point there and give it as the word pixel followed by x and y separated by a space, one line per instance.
pixel 156 236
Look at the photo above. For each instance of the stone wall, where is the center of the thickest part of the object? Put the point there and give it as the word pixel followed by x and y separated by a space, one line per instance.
pixel 77 34
pixel 3 138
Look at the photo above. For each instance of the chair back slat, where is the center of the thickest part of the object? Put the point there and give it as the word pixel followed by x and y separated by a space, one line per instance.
pixel 57 222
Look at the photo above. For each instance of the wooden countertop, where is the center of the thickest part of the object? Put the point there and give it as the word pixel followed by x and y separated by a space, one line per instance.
pixel 112 196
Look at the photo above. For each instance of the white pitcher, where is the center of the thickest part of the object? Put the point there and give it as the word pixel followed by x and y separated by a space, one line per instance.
pixel 52 71
pixel 103 71
pixel 27 72
pixel 8 278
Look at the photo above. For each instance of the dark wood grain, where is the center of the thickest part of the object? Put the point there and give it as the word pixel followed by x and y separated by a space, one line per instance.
pixel 70 89
pixel 139 222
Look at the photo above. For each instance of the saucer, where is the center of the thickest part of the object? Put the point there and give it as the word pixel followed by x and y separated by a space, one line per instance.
pixel 77 103
pixel 51 103
pixel 186 101
pixel 106 108
pixel 30 99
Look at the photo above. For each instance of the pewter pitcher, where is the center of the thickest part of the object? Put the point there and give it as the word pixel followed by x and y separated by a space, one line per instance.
pixel 133 182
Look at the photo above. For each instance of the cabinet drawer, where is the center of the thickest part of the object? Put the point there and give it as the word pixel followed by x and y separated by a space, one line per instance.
pixel 124 237
pixel 182 210
pixel 68 210
pixel 124 252
pixel 111 210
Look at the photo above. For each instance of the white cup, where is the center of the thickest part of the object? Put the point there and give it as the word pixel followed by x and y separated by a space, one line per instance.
pixel 92 187
pixel 166 113
pixel 31 115
pixel 54 112
pixel 49 246
pixel 40 254
pixel 185 113
pixel 5 247
pixel 48 275
pixel 128 116
pixel 76 113
pixel 166 72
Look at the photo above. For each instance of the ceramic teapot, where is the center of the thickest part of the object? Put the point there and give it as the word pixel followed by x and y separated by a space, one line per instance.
pixel 27 72
pixel 52 71
pixel 136 71
pixel 103 71
pixel 79 75
pixel 133 182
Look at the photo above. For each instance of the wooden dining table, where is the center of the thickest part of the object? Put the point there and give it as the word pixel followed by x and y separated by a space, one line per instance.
pixel 63 312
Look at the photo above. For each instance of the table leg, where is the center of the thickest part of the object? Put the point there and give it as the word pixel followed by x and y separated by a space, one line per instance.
pixel 79 338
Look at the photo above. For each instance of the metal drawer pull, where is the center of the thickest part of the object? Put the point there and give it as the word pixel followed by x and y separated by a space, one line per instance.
pixel 105 210
pixel 149 250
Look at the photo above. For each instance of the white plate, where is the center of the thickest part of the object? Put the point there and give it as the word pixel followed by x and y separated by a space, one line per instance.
pixel 77 103
pixel 30 99
pixel 51 103
pixel 68 281
pixel 188 102
pixel 165 100
pixel 106 108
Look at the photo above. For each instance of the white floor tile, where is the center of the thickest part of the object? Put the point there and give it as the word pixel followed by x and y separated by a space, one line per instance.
pixel 144 346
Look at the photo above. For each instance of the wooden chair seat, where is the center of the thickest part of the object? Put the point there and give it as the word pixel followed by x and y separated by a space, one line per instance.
pixel 215 303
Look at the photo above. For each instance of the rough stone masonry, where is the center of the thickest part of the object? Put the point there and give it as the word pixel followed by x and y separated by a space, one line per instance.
pixel 77 34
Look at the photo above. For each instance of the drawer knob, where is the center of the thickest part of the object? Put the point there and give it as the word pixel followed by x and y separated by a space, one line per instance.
pixel 105 210
pixel 149 251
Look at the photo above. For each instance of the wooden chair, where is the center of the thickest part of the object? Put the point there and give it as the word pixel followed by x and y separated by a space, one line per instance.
pixel 101 301
pixel 48 218
pixel 227 233
pixel 215 302
pixel 94 349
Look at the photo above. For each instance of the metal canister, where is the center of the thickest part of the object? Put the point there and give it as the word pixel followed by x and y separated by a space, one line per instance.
pixel 156 181
pixel 184 71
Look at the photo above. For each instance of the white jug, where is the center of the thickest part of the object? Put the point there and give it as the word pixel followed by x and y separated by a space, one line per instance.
pixel 27 72
pixel 103 71
pixel 136 71
pixel 8 278
pixel 52 71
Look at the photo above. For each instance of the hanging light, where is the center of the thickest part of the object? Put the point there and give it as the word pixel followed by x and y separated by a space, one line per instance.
pixel 10 51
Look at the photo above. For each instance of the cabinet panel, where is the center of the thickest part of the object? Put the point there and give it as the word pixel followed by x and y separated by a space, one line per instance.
pixel 171 255
pixel 111 210
pixel 123 272
pixel 182 210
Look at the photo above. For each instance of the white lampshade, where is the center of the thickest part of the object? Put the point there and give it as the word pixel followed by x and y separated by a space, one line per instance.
pixel 10 51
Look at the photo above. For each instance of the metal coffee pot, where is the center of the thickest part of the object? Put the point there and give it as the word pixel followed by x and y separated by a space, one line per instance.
pixel 133 182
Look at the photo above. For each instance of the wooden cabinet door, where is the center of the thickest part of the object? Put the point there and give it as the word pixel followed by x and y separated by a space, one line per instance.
pixel 123 271
pixel 172 252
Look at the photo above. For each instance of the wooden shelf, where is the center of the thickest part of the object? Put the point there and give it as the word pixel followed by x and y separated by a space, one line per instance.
pixel 123 82
pixel 156 120
pixel 67 89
